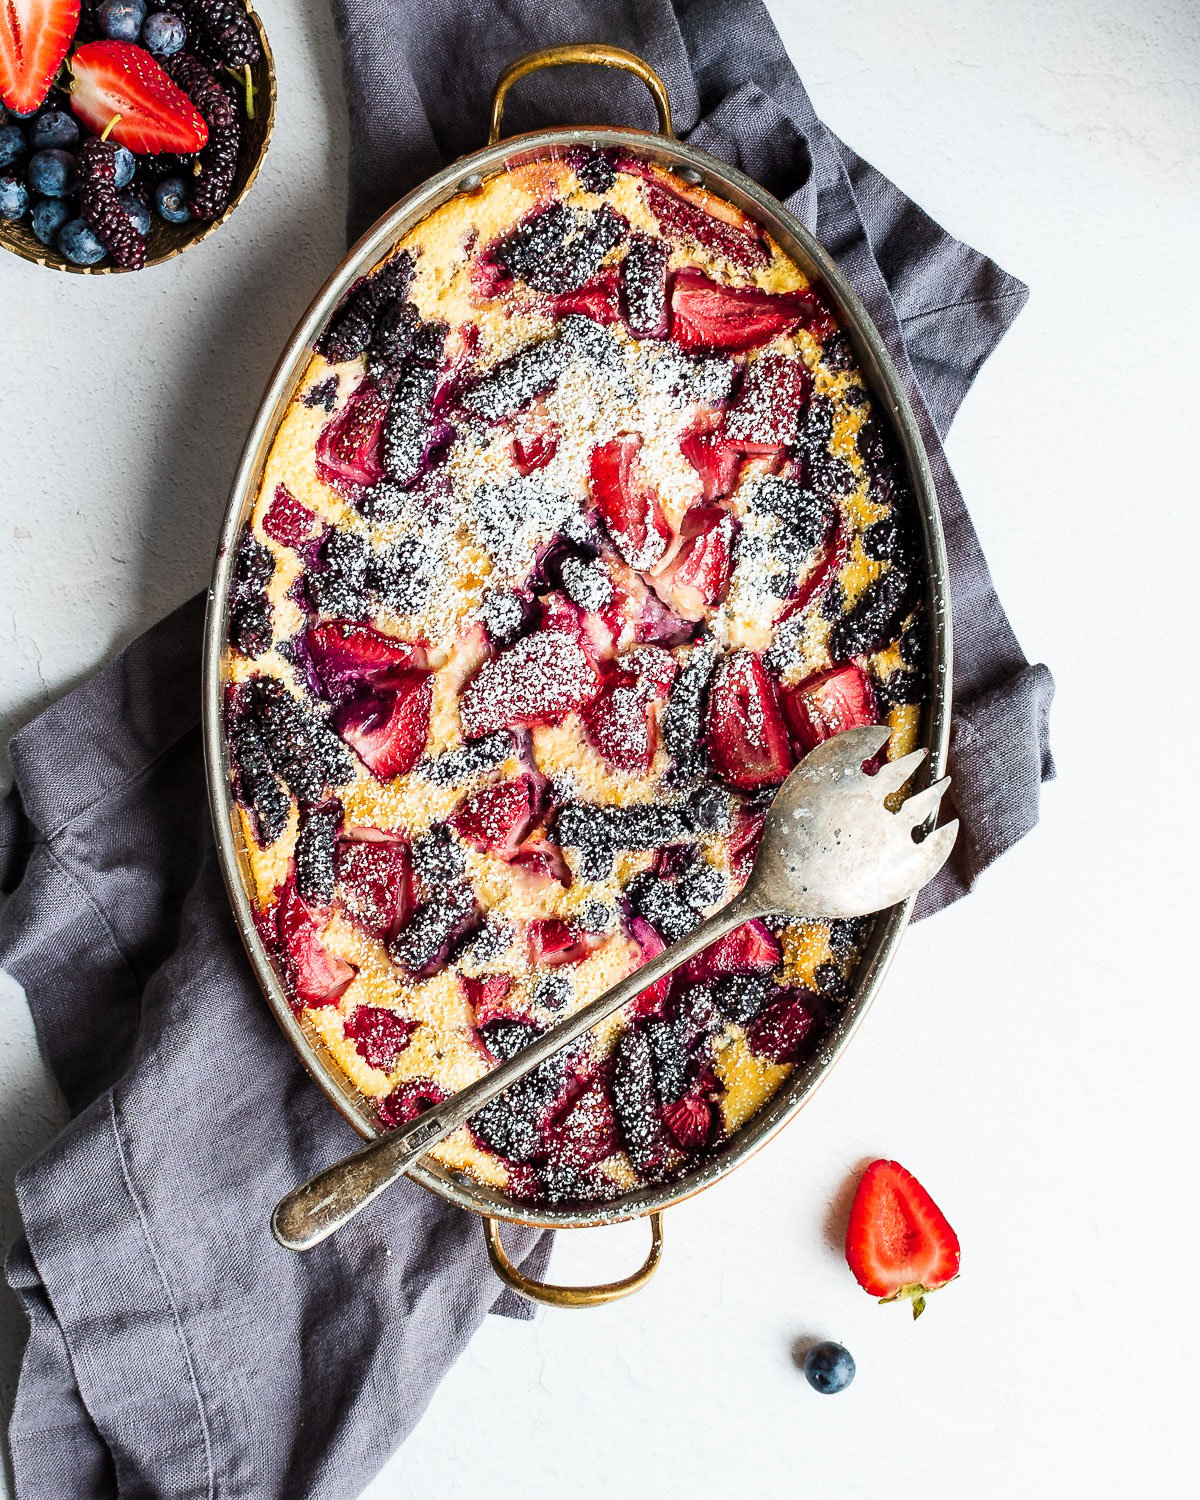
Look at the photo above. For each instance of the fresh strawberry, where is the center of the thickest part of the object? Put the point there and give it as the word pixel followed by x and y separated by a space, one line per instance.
pixel 379 1035
pixel 496 818
pixel 751 948
pixel 716 460
pixel 698 577
pixel 317 976
pixel 373 884
pixel 708 315
pixel 539 680
pixel 347 451
pixel 827 704
pixel 766 415
pixel 745 732
pixel 119 85
pixel 288 522
pixel 552 943
pixel 34 37
pixel 690 1121
pixel 628 503
pixel 486 995
pixel 347 656
pixel 534 452
pixel 898 1243
pixel 387 728
pixel 407 1101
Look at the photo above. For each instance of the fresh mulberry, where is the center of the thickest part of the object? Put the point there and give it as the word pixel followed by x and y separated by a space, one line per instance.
pixel 100 209
pixel 218 161
pixel 226 27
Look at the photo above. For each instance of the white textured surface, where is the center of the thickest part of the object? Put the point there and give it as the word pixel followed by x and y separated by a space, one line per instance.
pixel 1033 1055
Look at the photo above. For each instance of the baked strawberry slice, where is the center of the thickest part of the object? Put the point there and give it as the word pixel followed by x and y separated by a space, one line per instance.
pixel 698 578
pixel 746 735
pixel 535 451
pixel 553 942
pixel 346 656
pixel 586 1133
pixel 622 722
pixel 34 37
pixel 709 315
pixel 716 460
pixel 743 841
pixel 628 503
pixel 715 225
pixel 317 976
pixel 751 948
pixel 822 570
pixel 373 884
pixel 288 522
pixel 598 299
pixel 541 861
pixel 387 727
pixel 690 1121
pixel 538 680
pixel 379 1035
pixel 348 449
pixel 780 1030
pixel 119 85
pixel 766 415
pixel 407 1101
pixel 827 704
pixel 496 818
pixel 486 995
pixel 650 944
pixel 898 1242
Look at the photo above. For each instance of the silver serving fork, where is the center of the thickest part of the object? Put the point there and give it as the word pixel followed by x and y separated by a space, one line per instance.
pixel 830 847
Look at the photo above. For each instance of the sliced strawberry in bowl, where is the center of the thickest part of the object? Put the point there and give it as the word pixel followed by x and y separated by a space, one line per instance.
pixel 317 976
pixel 118 90
pixel 373 884
pixel 379 1035
pixel 348 450
pixel 766 415
pixel 898 1242
pixel 709 315
pixel 827 704
pixel 34 38
pixel 598 299
pixel 537 681
pixel 387 728
pixel 628 503
pixel 745 731
pixel 496 818
pixel 346 656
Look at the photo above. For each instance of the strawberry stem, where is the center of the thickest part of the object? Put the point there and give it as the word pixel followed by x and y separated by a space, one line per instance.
pixel 244 78
pixel 116 119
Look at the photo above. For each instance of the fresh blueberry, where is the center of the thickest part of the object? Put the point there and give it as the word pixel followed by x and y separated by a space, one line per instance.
pixel 123 167
pixel 828 1368
pixel 163 33
pixel 139 212
pixel 54 130
pixel 171 200
pixel 12 144
pixel 121 20
pixel 14 198
pixel 79 244
pixel 53 174
pixel 49 216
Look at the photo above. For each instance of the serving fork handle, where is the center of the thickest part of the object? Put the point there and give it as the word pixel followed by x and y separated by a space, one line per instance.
pixel 320 1206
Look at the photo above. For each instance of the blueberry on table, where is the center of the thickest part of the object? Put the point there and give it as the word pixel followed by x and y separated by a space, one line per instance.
pixel 828 1368
pixel 121 20
pixel 49 215
pixel 53 174
pixel 164 33
pixel 138 211
pixel 12 144
pixel 79 244
pixel 171 200
pixel 54 129
pixel 14 198
pixel 123 167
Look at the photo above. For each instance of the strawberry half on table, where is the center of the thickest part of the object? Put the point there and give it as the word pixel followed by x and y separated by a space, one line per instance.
pixel 34 37
pixel 898 1242
pixel 118 88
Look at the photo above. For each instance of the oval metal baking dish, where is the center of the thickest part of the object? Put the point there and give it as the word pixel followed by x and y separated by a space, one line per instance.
pixel 694 167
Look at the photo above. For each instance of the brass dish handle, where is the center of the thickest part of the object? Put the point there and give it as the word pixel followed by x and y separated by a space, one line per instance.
pixel 580 52
pixel 571 1296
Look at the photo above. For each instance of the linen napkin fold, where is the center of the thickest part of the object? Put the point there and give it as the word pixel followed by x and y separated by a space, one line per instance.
pixel 174 1349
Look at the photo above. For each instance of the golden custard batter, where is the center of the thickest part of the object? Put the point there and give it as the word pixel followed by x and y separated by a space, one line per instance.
pixel 576 534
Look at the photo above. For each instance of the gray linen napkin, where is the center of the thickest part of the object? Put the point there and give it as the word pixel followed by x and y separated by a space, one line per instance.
pixel 174 1350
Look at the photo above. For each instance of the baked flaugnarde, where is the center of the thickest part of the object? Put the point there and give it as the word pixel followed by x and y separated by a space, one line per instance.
pixel 577 532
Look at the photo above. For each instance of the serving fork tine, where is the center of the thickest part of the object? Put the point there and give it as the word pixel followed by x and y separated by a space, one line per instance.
pixel 830 847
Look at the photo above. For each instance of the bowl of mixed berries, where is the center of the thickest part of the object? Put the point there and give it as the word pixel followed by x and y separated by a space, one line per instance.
pixel 127 131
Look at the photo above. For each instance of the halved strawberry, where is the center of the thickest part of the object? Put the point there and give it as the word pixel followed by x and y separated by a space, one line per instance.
pixel 538 680
pixel 347 451
pixel 622 722
pixel 317 976
pixel 120 85
pixel 737 238
pixel 347 655
pixel 827 704
pixel 552 942
pixel 388 727
pixel 690 1121
pixel 628 503
pixel 716 460
pixel 751 948
pixel 650 945
pixel 288 522
pixel 535 451
pixel 766 415
pixel 496 818
pixel 898 1242
pixel 34 38
pixel 379 1035
pixel 373 884
pixel 486 995
pixel 698 578
pixel 745 731
pixel 708 315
